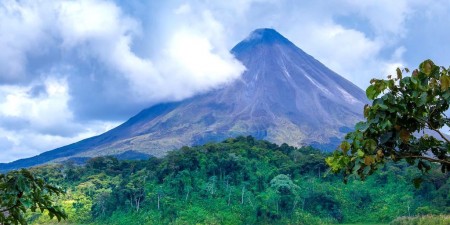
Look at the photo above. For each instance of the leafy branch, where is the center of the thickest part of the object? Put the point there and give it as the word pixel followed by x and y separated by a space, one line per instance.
pixel 20 191
pixel 402 107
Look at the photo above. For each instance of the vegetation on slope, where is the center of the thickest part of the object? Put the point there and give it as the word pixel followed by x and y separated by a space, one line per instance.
pixel 239 181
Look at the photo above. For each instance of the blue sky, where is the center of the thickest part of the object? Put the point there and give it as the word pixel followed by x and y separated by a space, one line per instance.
pixel 73 69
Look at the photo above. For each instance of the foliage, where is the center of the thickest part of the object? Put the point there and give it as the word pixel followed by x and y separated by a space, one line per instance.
pixel 20 191
pixel 239 181
pixel 403 123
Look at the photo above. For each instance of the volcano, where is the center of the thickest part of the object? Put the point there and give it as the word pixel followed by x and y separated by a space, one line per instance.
pixel 284 96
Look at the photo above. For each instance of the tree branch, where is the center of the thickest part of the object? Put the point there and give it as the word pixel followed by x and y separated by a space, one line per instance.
pixel 9 209
pixel 439 132
pixel 426 158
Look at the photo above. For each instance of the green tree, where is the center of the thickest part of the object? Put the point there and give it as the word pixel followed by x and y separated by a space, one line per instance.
pixel 287 192
pixel 20 191
pixel 405 122
pixel 135 189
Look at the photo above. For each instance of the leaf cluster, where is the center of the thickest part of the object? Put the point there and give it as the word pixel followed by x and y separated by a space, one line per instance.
pixel 21 191
pixel 403 122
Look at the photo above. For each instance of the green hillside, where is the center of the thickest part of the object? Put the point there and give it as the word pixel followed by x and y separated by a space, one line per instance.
pixel 239 181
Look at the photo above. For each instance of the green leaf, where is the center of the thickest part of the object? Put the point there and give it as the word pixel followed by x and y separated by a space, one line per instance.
pixel 366 110
pixel 371 92
pixel 345 146
pixel 362 126
pixel 426 67
pixel 371 145
pixel 383 106
pixel 357 167
pixel 399 73
pixel 446 95
pixel 423 99
pixel 445 82
pixel 386 124
pixel 360 153
pixel 26 202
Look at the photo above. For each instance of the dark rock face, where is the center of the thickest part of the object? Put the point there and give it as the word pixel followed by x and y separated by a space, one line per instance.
pixel 285 96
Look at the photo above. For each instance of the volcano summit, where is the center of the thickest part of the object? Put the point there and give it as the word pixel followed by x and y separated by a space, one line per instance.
pixel 284 96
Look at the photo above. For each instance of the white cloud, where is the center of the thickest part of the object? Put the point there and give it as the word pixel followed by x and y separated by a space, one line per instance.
pixel 196 55
pixel 21 29
pixel 183 9
pixel 101 30
pixel 192 56
pixel 89 64
pixel 83 21
pixel 386 17
pixel 27 143
pixel 32 124
pixel 48 114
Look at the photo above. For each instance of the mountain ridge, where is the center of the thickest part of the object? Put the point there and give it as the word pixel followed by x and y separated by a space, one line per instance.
pixel 284 96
